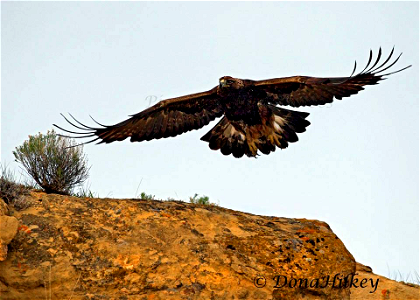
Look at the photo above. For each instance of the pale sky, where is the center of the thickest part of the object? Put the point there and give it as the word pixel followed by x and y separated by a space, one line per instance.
pixel 356 167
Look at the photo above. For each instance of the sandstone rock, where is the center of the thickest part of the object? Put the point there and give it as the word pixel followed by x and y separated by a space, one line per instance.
pixel 3 252
pixel 137 249
pixel 4 209
pixel 8 229
pixel 386 289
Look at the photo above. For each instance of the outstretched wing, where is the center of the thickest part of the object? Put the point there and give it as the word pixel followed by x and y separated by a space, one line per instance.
pixel 167 118
pixel 303 90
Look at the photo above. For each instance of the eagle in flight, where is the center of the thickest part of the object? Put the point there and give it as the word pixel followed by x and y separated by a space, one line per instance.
pixel 251 119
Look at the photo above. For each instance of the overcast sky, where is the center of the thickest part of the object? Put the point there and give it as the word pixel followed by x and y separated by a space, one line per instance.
pixel 356 166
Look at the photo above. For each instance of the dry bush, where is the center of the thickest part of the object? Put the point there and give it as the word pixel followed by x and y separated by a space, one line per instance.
pixel 10 189
pixel 54 162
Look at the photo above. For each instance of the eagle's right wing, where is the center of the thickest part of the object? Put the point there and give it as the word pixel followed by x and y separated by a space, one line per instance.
pixel 167 118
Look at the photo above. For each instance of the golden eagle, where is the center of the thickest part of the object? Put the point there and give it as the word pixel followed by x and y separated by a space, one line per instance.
pixel 251 119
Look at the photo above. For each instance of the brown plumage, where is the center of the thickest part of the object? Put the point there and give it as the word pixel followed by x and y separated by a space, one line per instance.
pixel 251 120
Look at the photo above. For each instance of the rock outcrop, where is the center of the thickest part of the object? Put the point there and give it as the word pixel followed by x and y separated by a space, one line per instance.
pixel 387 289
pixel 85 248
pixel 8 229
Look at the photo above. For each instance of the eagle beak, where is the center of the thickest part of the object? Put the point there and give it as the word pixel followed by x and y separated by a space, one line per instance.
pixel 222 82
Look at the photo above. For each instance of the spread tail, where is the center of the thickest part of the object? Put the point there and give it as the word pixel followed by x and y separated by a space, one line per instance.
pixel 277 129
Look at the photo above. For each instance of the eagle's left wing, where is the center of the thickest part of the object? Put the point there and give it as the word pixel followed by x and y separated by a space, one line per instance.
pixel 167 118
pixel 303 90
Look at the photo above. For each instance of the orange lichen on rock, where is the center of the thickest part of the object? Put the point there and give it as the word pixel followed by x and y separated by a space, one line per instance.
pixel 145 249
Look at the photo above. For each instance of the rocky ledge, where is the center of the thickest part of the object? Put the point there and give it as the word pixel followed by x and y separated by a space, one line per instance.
pixel 86 248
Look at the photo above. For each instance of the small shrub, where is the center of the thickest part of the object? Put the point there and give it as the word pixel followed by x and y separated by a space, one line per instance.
pixel 10 189
pixel 54 162
pixel 85 192
pixel 144 196
pixel 200 200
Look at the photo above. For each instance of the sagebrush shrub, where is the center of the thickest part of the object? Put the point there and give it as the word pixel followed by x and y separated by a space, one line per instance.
pixel 53 161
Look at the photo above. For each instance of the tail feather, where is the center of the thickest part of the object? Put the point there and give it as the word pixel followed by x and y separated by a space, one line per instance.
pixel 278 129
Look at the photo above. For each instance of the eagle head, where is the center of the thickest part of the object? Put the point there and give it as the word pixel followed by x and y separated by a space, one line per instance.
pixel 227 82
